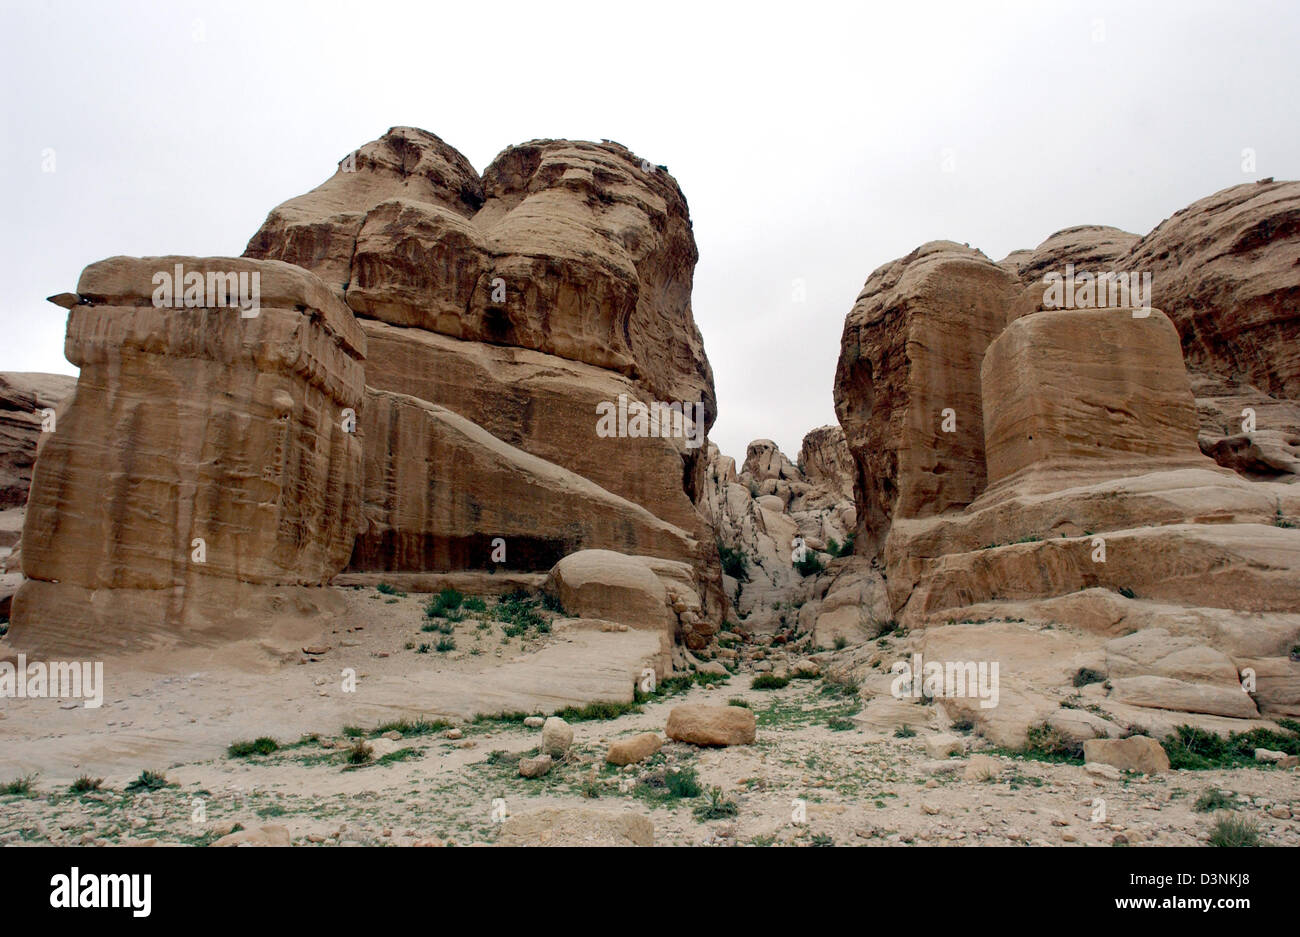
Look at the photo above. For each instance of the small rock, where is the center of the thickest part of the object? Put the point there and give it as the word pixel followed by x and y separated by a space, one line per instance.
pixel 453 734
pixel 635 749
pixel 534 767
pixel 1099 770
pixel 557 736
pixel 534 722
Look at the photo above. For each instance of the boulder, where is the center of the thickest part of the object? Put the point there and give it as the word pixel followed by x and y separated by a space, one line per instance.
pixel 707 725
pixel 205 470
pixel 557 737
pixel 535 767
pixel 638 748
pixel 1137 753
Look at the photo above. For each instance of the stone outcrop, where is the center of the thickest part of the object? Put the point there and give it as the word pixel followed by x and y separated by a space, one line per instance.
pixel 1113 496
pixel 25 399
pixel 824 459
pixel 592 248
pixel 529 302
pixel 907 387
pixel 203 465
pixel 1225 269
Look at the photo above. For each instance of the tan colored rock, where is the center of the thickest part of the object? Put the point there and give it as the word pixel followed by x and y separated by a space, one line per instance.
pixel 633 750
pixel 1084 394
pixel 439 488
pixel 824 458
pixel 616 587
pixel 270 835
pixel 1277 684
pixel 1136 753
pixel 24 400
pixel 909 367
pixel 704 724
pixel 535 767
pixel 556 826
pixel 193 423
pixel 1090 248
pixel 593 248
pixel 557 737
pixel 1224 269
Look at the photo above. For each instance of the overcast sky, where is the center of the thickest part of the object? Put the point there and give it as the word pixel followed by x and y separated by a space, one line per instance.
pixel 810 140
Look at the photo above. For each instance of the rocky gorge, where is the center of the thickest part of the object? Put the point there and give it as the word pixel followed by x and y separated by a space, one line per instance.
pixel 394 472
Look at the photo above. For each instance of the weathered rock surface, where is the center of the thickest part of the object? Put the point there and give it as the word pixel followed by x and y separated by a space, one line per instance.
pixel 633 750
pixel 557 826
pixel 1225 270
pixel 188 425
pixel 24 398
pixel 707 725
pixel 907 387
pixel 592 247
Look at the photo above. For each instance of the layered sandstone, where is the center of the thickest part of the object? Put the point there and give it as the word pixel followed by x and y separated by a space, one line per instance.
pixel 27 401
pixel 907 387
pixel 204 461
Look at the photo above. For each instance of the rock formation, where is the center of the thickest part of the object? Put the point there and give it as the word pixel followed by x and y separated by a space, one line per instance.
pixel 203 464
pixel 449 373
pixel 24 400
pixel 1096 495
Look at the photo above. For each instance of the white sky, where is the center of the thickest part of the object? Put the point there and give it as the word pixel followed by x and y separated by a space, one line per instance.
pixel 808 138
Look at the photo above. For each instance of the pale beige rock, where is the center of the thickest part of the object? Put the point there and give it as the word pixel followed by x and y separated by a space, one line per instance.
pixel 535 767
pixel 577 827
pixel 1084 394
pixel 703 724
pixel 1136 753
pixel 270 835
pixel 635 749
pixel 24 399
pixel 557 737
pixel 193 423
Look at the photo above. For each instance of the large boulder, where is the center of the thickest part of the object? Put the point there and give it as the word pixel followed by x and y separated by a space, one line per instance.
pixel 1139 753
pixel 714 726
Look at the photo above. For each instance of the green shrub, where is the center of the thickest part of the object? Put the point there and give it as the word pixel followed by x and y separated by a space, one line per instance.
pixel 734 563
pixel 85 784
pixel 360 753
pixel 445 644
pixel 1193 749
pixel 19 787
pixel 1085 676
pixel 475 604
pixel 810 565
pixel 1214 800
pixel 385 589
pixel 264 745
pixel 1234 831
pixel 447 601
pixel 148 781
pixel 768 681
pixel 1047 743
pixel 904 732
pixel 717 806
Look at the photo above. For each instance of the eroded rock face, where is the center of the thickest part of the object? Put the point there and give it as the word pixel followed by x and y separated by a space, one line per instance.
pixel 193 424
pixel 24 400
pixel 1088 247
pixel 1225 269
pixel 530 302
pixel 907 387
pixel 824 458
pixel 579 250
pixel 1082 394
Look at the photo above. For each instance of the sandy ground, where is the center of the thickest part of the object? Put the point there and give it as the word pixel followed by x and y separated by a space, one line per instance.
pixel 814 776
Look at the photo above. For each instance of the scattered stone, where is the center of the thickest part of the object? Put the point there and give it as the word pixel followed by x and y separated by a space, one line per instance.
pixel 534 722
pixel 535 767
pixel 1137 753
pixel 704 724
pixel 635 749
pixel 943 745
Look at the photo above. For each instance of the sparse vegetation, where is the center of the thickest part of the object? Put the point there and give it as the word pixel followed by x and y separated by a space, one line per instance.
pixel 768 681
pixel 19 787
pixel 904 732
pixel 1192 749
pixel 716 806
pixel 263 745
pixel 1047 743
pixel 1234 831
pixel 385 589
pixel 1085 676
pixel 810 565
pixel 85 784
pixel 148 781
pixel 360 753
pixel 1214 800
pixel 734 563
pixel 445 603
